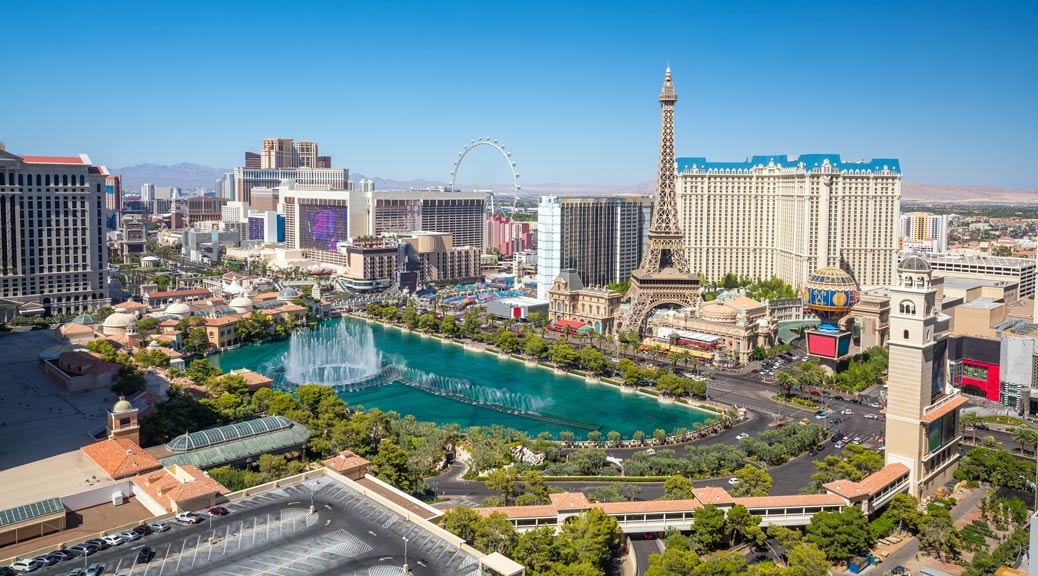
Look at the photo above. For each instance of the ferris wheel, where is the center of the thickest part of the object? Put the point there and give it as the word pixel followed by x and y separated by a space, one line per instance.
pixel 492 143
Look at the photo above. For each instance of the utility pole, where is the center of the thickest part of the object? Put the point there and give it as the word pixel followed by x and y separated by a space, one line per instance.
pixel 406 569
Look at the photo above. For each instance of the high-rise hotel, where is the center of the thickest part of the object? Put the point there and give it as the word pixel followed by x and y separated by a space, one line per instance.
pixel 52 235
pixel 784 217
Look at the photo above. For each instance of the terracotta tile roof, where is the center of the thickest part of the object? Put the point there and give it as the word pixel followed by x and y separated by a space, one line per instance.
pixel 130 305
pixel 883 477
pixel 847 488
pixel 569 501
pixel 169 323
pixel 222 321
pixel 539 511
pixel 253 379
pixel 346 460
pixel 290 308
pixel 165 486
pixel 121 457
pixel 946 409
pixel 52 159
pixel 265 296
pixel 712 495
pixel 73 329
pixel 84 363
pixel 794 500
pixel 176 293
pixel 648 507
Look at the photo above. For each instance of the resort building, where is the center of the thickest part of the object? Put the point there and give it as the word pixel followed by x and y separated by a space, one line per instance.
pixel 571 303
pixel 235 444
pixel 728 326
pixel 924 232
pixel 461 214
pixel 603 239
pixel 53 252
pixel 507 236
pixel 1021 271
pixel 785 217
pixel 177 488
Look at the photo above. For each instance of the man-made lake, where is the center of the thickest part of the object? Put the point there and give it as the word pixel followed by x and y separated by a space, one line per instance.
pixel 385 368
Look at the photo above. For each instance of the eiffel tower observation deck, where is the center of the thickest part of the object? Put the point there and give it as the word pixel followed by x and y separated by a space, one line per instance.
pixel 663 279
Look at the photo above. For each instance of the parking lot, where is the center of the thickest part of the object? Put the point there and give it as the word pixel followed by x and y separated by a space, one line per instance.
pixel 275 533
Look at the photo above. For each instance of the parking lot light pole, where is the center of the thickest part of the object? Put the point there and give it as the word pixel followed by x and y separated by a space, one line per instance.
pixel 405 555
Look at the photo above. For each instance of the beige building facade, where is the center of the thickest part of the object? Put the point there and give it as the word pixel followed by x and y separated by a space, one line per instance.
pixel 596 307
pixel 778 216
pixel 922 428
pixel 740 324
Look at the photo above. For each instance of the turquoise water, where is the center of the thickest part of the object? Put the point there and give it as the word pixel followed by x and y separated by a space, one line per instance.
pixel 501 389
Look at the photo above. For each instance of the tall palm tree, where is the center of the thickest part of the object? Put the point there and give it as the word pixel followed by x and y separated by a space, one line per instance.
pixel 786 381
pixel 970 420
pixel 1025 437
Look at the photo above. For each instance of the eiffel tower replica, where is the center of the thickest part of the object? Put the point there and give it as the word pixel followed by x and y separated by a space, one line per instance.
pixel 663 277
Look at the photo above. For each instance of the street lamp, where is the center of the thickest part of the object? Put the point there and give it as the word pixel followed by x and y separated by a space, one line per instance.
pixel 405 555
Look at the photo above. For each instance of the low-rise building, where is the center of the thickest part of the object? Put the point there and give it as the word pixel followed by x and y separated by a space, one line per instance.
pixel 177 488
pixel 569 299
pixel 741 323
pixel 222 332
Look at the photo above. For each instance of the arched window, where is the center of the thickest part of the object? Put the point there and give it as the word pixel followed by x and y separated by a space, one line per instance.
pixel 82 181
pixel 64 179
pixel 907 307
pixel 908 281
pixel 39 180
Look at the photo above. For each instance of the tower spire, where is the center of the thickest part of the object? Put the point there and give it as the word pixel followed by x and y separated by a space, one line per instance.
pixel 663 276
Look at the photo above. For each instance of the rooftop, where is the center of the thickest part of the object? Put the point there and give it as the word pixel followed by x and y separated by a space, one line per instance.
pixel 30 511
pixel 996 261
pixel 805 161
pixel 232 443
pixel 982 303
pixel 231 432
pixel 120 457
pixel 56 159
pixel 61 475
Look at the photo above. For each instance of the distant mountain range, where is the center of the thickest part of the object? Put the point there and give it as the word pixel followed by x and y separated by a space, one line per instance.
pixel 190 176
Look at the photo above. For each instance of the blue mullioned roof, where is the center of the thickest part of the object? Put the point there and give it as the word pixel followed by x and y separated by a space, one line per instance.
pixel 810 162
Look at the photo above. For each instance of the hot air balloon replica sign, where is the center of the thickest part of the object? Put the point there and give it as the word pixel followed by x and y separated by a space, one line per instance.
pixel 829 293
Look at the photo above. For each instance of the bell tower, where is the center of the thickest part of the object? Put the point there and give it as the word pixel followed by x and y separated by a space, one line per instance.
pixel 122 422
pixel 922 406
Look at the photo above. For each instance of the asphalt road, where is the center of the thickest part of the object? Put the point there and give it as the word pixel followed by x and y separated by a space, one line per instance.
pixel 347 534
pixel 643 549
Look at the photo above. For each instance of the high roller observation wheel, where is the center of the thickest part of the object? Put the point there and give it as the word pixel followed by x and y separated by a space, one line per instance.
pixel 493 143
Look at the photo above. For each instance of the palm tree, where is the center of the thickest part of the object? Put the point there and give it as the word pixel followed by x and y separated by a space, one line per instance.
pixel 786 381
pixel 1024 436
pixel 970 420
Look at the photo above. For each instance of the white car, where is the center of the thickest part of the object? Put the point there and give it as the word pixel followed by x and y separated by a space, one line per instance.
pixel 651 451
pixel 857 440
pixel 159 526
pixel 129 535
pixel 847 412
pixel 26 565
pixel 872 416
pixel 742 436
pixel 733 481
pixel 115 539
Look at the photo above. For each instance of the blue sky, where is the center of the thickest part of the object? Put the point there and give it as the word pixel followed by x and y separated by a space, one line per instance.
pixel 395 89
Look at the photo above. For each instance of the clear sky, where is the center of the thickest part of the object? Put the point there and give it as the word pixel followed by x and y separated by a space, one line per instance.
pixel 395 89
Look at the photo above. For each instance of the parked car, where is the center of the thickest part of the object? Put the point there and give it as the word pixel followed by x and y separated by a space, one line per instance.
pixel 7 571
pixel 143 530
pixel 651 451
pixel 115 539
pixel 77 572
pixel 733 481
pixel 219 511
pixel 847 412
pixel 160 526
pixel 855 401
pixel 742 436
pixel 81 550
pixel 46 560
pixel 25 565
pixel 821 415
pixel 145 555
pixel 835 421
pixel 62 555
pixel 188 518
pixel 99 543
pixel 857 440
pixel 820 447
pixel 871 416
pixel 839 445
pixel 95 569
pixel 130 535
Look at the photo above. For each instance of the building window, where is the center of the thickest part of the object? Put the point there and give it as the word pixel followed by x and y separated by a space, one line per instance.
pixel 906 334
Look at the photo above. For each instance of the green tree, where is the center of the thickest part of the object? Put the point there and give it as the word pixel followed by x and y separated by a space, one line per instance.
pixel 786 382
pixel 151 358
pixel 742 525
pixel 391 464
pixel 638 436
pixel 594 436
pixel 590 537
pixel 677 487
pixel 104 349
pixel 463 522
pixel 708 526
pixel 752 482
pixel 147 324
pixel 535 346
pixel 507 481
pixel 472 324
pixel 937 534
pixel 629 371
pixel 103 312
pixel 195 341
pixel 841 534
pixel 969 419
pixel 1025 437
pixel 233 384
pixel 807 560
pixel 538 319
pixel 449 326
pixel 410 316
pixel 200 371
pixel 904 511
pixel 563 354
pixel 567 436
pixel 614 437
pixel 593 360
pixel 506 340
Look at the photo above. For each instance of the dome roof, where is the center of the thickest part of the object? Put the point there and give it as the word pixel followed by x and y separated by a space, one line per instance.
pixel 830 278
pixel 178 308
pixel 84 319
pixel 289 292
pixel 718 311
pixel 119 320
pixel 240 301
pixel 234 288
pixel 914 264
pixel 122 405
pixel 154 344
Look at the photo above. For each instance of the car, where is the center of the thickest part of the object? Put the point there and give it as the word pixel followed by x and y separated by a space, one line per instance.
pixel 95 569
pixel 742 436
pixel 219 511
pixel 733 481
pixel 820 447
pixel 857 440
pixel 804 421
pixel 77 572
pixel 7 571
pixel 648 536
pixel 835 421
pixel 871 416
pixel 847 412
pixel 835 438
pixel 25 565
pixel 62 555
pixel 840 398
pixel 812 452
pixel 815 393
pixel 855 401
pixel 983 426
pixel 160 526
pixel 99 544
pixel 143 530
pixel 145 555
pixel 189 518
pixel 115 539
pixel 651 451
pixel 81 550
pixel 130 535
pixel 839 445
pixel 45 560
pixel 821 416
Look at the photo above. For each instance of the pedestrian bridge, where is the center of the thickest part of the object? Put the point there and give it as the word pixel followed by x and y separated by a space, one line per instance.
pixel 871 494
